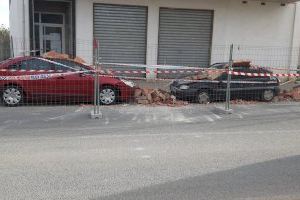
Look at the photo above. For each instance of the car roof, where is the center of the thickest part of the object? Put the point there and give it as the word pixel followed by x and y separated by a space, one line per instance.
pixel 10 61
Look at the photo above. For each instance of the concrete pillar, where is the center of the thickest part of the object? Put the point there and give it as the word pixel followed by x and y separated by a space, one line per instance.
pixel 84 29
pixel 152 36
pixel 20 27
pixel 294 60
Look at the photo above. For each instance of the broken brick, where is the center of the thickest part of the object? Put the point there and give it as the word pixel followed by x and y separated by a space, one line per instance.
pixel 137 92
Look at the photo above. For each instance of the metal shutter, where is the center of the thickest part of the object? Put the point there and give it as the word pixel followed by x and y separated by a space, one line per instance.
pixel 185 37
pixel 121 30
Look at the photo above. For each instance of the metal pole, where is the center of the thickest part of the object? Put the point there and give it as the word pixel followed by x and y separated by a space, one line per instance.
pixel 23 21
pixel 98 78
pixel 95 81
pixel 227 104
pixel 96 114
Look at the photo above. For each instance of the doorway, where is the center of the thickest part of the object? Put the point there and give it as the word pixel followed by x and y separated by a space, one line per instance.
pixel 49 32
pixel 52 26
pixel 52 38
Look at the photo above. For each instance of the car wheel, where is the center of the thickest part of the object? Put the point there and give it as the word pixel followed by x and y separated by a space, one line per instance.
pixel 107 96
pixel 12 96
pixel 203 98
pixel 268 95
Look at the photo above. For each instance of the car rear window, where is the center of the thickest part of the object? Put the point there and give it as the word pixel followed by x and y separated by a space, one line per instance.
pixel 5 61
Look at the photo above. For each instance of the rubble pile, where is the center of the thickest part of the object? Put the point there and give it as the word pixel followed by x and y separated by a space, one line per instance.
pixel 294 94
pixel 56 55
pixel 147 96
pixel 243 102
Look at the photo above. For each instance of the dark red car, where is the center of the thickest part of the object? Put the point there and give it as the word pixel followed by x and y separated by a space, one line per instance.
pixel 65 81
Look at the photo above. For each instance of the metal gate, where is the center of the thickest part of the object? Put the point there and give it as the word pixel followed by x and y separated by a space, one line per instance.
pixel 185 37
pixel 122 32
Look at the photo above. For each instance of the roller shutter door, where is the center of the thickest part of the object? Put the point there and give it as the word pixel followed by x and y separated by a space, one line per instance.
pixel 185 37
pixel 122 32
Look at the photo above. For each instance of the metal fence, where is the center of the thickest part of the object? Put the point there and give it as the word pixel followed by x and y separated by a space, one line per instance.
pixel 236 73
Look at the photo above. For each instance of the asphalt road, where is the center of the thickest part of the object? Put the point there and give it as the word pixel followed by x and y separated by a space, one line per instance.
pixel 138 152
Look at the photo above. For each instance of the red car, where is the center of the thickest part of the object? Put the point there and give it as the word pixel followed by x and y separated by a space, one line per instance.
pixel 64 80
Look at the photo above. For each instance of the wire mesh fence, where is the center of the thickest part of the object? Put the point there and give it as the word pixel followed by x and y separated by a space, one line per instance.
pixel 256 75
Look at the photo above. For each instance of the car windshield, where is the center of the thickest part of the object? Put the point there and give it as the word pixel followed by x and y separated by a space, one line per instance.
pixel 218 66
pixel 73 65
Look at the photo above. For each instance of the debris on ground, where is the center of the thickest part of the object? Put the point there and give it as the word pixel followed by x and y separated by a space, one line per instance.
pixel 241 101
pixel 293 94
pixel 149 96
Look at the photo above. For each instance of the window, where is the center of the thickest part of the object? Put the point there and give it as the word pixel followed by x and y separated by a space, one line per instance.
pixel 17 66
pixel 238 77
pixel 52 18
pixel 218 66
pixel 35 64
pixel 222 77
pixel 36 17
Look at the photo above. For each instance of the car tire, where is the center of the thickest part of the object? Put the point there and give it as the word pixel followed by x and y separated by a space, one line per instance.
pixel 12 96
pixel 203 98
pixel 107 95
pixel 268 95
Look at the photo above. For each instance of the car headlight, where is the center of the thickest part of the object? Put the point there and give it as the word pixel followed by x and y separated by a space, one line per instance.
pixel 184 87
pixel 128 83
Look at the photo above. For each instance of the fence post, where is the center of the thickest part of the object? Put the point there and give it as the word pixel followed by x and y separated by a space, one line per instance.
pixel 96 114
pixel 227 104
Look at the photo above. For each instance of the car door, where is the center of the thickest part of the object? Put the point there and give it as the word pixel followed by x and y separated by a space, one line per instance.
pixel 255 84
pixel 35 88
pixel 220 86
pixel 236 86
pixel 73 85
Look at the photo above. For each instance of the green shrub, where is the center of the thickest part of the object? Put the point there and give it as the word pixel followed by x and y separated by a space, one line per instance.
pixel 4 43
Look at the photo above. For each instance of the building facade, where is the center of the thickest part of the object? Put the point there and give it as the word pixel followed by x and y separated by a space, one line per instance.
pixel 174 32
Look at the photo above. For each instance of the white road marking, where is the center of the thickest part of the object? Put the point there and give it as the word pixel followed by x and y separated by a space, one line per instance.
pixel 36 113
pixel 58 117
pixel 217 116
pixel 61 117
pixel 198 136
pixel 134 117
pixel 79 109
pixel 145 156
pixel 209 118
pixel 244 113
pixel 139 149
pixel 240 116
pixel 147 118
pixel 106 121
pixel 154 117
pixel 9 123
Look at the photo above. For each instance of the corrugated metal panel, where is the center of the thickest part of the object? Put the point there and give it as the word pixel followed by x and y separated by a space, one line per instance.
pixel 185 37
pixel 122 32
